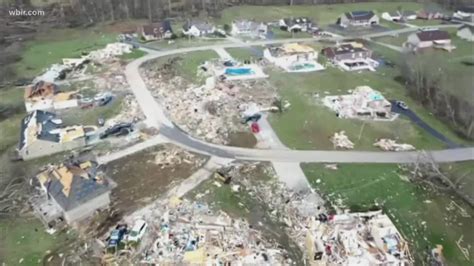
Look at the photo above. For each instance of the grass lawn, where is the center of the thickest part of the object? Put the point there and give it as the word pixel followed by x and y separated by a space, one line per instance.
pixel 25 239
pixel 394 40
pixel 136 53
pixel 425 22
pixel 51 47
pixel 91 115
pixel 321 14
pixel 241 54
pixel 420 215
pixel 308 124
pixel 183 42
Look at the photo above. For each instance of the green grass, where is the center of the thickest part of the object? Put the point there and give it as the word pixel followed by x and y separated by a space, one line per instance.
pixel 183 42
pixel 247 53
pixel 394 40
pixel 308 124
pixel 91 115
pixel 136 53
pixel 51 47
pixel 11 100
pixel 25 238
pixel 425 22
pixel 321 14
pixel 409 206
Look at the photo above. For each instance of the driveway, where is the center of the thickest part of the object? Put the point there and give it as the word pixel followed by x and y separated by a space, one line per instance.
pixel 417 120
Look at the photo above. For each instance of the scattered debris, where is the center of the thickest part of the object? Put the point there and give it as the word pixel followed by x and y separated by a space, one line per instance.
pixel 340 140
pixel 331 166
pixel 362 103
pixel 391 145
pixel 172 156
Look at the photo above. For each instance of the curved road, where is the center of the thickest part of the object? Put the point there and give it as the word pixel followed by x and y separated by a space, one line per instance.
pixel 156 117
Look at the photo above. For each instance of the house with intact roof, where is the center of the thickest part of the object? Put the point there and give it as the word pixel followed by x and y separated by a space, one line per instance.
pixel 430 38
pixel 156 31
pixel 358 18
pixel 466 32
pixel 42 133
pixel 352 56
pixel 76 189
pixel 198 28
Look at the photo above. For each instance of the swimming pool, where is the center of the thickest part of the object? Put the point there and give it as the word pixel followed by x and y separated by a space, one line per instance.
pixel 302 66
pixel 241 71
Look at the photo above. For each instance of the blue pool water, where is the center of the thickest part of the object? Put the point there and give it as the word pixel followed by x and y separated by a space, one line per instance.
pixel 238 71
pixel 303 66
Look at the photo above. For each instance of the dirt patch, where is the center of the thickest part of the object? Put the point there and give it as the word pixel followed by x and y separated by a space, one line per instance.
pixel 141 179
pixel 242 139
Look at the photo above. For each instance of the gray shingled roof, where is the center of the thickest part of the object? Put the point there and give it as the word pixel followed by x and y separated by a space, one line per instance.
pixel 46 120
pixel 82 189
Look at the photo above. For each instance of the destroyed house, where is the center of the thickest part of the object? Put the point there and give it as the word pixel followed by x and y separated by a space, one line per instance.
pixel 296 24
pixel 77 189
pixel 347 51
pixel 358 18
pixel 42 134
pixel 466 32
pixel 46 95
pixel 198 28
pixel 430 38
pixel 156 31
pixel 248 27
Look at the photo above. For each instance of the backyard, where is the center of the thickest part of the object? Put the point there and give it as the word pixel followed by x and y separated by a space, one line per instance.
pixel 425 218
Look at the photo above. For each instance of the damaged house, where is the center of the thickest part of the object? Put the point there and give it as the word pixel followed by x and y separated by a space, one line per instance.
pixel 363 102
pixel 351 57
pixel 197 28
pixel 399 16
pixel 156 31
pixel 430 38
pixel 293 57
pixel 358 18
pixel 249 28
pixel 46 96
pixel 42 133
pixel 75 189
pixel 357 239
pixel 303 24
pixel 466 32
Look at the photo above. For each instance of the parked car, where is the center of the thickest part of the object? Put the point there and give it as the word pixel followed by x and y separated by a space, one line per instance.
pixel 103 98
pixel 402 105
pixel 116 236
pixel 138 230
pixel 117 130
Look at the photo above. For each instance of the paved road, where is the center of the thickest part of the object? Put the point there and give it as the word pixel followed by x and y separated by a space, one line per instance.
pixel 156 117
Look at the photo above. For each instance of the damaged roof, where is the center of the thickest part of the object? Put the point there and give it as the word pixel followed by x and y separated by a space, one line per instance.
pixel 74 183
pixel 41 89
pixel 433 35
pixel 346 48
pixel 39 124
pixel 157 28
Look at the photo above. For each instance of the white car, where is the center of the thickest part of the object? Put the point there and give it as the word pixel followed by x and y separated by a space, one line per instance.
pixel 138 230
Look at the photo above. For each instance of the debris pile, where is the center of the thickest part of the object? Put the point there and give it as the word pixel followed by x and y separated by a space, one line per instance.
pixel 357 239
pixel 392 145
pixel 183 232
pixel 172 156
pixel 210 112
pixel 340 140
pixel 131 112
pixel 362 103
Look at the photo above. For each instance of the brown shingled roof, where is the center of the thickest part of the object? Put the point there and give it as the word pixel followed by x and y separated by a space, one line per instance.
pixel 433 35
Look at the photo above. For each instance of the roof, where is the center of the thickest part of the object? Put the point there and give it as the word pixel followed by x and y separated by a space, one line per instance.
pixel 247 25
pixel 200 25
pixel 466 9
pixel 298 20
pixel 433 35
pixel 41 89
pixel 360 15
pixel 469 27
pixel 74 183
pixel 346 48
pixel 46 126
pixel 297 48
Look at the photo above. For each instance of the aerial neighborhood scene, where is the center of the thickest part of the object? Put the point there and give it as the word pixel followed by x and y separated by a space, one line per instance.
pixel 229 132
